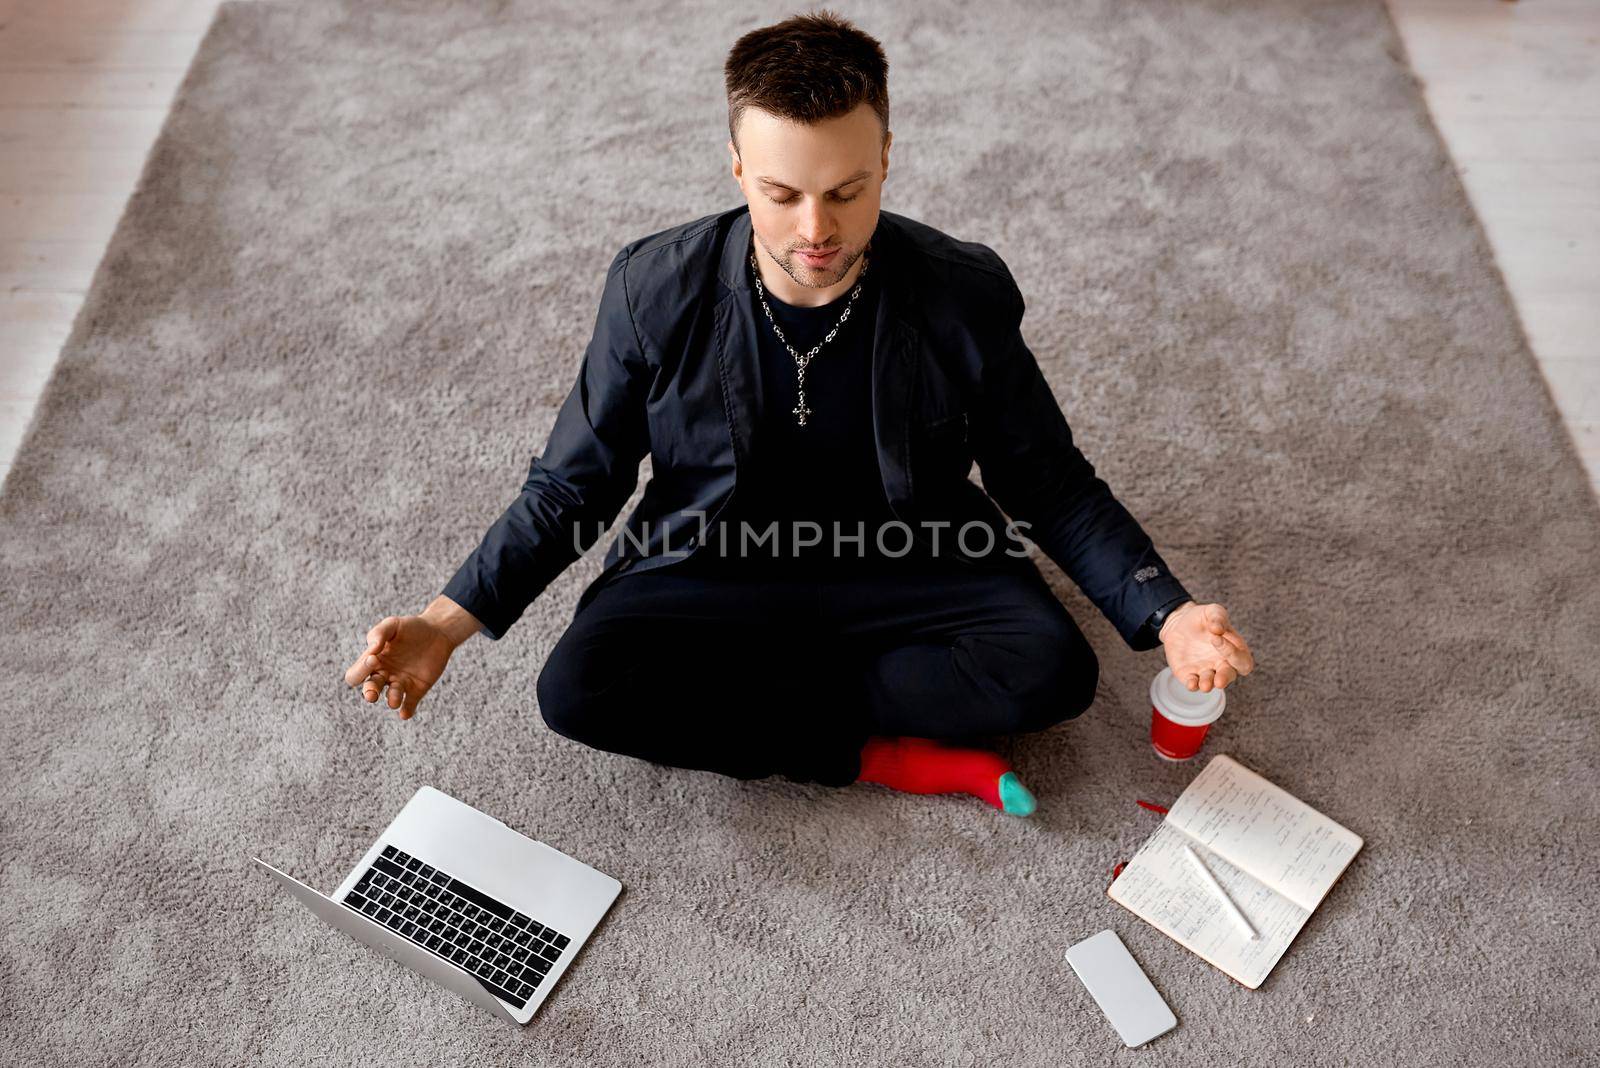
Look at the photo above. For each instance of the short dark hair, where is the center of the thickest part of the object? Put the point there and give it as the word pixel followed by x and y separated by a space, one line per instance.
pixel 805 69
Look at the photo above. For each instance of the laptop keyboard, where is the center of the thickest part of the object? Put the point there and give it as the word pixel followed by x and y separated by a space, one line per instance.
pixel 508 952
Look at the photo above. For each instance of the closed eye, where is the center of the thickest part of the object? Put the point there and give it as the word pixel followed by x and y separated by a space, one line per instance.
pixel 842 200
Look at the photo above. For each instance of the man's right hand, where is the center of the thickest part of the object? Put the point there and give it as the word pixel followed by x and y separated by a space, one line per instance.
pixel 408 654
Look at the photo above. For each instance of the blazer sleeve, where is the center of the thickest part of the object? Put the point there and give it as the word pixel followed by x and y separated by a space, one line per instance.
pixel 1034 471
pixel 576 487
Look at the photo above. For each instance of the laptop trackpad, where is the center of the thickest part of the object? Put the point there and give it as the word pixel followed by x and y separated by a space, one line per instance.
pixel 480 850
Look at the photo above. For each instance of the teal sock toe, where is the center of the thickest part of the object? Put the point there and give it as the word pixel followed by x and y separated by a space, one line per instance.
pixel 1015 797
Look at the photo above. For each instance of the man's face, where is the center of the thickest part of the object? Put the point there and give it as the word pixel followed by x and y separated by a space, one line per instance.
pixel 812 187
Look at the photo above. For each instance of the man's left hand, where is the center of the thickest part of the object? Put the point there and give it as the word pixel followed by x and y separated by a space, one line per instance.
pixel 1202 647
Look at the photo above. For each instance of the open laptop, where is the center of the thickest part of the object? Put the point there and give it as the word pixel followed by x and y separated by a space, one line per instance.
pixel 461 898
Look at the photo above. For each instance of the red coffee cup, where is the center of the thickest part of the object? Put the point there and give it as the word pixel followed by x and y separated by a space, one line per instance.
pixel 1180 717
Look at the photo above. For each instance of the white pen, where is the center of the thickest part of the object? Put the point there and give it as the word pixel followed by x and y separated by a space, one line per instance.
pixel 1205 873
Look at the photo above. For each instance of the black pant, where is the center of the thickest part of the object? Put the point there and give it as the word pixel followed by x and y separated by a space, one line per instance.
pixel 752 675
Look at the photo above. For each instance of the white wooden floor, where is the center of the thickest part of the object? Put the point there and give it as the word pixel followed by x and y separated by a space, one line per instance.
pixel 1513 86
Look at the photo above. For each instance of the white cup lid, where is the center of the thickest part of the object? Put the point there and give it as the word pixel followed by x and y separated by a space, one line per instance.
pixel 1180 704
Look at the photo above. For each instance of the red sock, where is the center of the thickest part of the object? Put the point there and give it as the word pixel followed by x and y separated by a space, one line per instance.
pixel 927 766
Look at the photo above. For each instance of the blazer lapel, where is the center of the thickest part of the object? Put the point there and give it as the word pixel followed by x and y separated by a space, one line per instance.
pixel 738 360
pixel 894 367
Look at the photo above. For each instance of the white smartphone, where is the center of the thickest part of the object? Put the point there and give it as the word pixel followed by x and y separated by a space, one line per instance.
pixel 1121 989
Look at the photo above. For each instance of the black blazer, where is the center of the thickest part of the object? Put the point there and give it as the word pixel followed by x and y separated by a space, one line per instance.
pixel 672 370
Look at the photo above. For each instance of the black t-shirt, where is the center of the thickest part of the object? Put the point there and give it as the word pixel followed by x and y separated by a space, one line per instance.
pixel 825 471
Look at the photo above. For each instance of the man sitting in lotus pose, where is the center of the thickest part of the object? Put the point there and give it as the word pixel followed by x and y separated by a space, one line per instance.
pixel 811 585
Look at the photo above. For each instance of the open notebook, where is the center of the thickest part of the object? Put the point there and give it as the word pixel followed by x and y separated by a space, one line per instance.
pixel 1274 854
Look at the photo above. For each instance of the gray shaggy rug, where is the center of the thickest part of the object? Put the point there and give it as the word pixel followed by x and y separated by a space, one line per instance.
pixel 348 295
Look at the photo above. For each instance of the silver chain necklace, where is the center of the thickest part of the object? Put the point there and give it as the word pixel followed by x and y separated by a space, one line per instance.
pixel 802 360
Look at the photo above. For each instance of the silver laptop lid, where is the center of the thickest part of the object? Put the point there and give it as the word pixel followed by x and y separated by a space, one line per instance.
pixel 391 945
pixel 460 897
